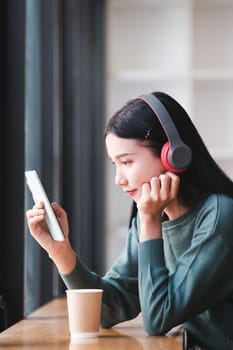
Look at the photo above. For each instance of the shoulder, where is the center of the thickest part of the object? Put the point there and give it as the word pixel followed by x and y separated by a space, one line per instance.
pixel 217 203
pixel 216 215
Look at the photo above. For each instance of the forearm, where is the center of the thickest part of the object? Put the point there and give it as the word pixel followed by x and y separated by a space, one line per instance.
pixel 120 284
pixel 153 282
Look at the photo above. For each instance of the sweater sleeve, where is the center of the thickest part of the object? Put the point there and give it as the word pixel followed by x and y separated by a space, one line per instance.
pixel 120 284
pixel 203 274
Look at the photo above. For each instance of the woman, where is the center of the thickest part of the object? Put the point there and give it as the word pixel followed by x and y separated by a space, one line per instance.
pixel 176 267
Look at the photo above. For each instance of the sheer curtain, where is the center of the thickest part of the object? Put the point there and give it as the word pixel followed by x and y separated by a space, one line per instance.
pixel 64 129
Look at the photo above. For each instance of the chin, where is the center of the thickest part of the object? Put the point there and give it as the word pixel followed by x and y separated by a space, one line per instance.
pixel 135 198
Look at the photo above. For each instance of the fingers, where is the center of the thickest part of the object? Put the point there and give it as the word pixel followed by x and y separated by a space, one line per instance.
pixel 157 194
pixel 175 183
pixel 38 210
pixel 59 212
pixel 169 185
pixel 155 186
pixel 35 215
pixel 162 188
pixel 165 186
pixel 32 213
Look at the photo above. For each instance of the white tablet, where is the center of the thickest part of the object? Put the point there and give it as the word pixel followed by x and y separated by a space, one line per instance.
pixel 39 194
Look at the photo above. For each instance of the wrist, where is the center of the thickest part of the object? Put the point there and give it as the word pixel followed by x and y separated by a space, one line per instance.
pixel 64 258
pixel 150 227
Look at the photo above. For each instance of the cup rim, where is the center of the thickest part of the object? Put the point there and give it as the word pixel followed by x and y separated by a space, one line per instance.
pixel 84 290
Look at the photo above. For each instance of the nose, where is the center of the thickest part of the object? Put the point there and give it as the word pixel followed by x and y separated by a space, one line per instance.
pixel 120 179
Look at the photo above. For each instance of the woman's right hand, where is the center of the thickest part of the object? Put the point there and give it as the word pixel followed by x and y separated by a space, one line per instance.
pixel 60 252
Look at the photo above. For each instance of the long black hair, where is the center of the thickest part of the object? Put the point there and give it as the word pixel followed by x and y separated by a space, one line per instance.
pixel 203 177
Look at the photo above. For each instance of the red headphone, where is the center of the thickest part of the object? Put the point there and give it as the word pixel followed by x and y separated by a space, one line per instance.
pixel 175 155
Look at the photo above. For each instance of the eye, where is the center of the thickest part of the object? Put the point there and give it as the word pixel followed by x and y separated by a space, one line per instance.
pixel 126 162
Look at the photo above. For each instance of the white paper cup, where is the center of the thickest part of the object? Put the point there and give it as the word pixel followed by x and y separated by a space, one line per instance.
pixel 84 308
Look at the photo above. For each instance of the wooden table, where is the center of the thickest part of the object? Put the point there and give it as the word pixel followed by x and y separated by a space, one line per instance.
pixel 47 329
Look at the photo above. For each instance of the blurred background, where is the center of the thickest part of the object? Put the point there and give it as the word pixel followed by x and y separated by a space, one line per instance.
pixel 65 67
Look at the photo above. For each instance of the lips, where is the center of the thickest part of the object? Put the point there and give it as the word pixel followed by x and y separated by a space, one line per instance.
pixel 130 192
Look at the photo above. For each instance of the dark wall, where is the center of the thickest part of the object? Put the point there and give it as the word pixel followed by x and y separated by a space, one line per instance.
pixel 12 155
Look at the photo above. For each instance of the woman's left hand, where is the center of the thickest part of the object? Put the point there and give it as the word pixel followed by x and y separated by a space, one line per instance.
pixel 155 197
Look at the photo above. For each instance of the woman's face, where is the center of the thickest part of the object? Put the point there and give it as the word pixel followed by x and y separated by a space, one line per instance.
pixel 135 164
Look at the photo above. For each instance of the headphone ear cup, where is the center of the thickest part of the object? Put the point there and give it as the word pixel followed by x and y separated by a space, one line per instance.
pixel 165 160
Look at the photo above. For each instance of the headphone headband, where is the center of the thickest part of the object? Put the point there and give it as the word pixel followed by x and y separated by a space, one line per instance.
pixel 164 118
pixel 178 155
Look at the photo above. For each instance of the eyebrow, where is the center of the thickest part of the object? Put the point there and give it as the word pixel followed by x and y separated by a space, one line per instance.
pixel 123 155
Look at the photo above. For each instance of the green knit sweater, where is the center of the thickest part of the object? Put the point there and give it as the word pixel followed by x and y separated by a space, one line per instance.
pixel 185 278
